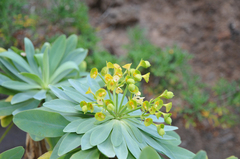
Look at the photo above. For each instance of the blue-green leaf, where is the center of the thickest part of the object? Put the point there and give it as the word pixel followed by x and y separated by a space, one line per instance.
pixel 29 49
pixel 40 95
pixel 32 77
pixel 106 148
pixel 20 97
pixel 76 56
pixel 41 123
pixel 121 150
pixel 149 153
pixel 76 96
pixel 3 78
pixel 116 135
pixel 101 133
pixel 45 71
pixel 59 93
pixel 86 125
pixel 61 105
pixel 36 138
pixel 69 142
pixel 14 153
pixel 20 86
pixel 71 44
pixel 72 127
pixel 32 105
pixel 86 154
pixel 203 155
pixel 56 52
pixel 85 142
pixel 54 154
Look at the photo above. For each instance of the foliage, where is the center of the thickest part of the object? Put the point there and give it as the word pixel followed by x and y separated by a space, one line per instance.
pixel 103 120
pixel 27 75
pixel 14 153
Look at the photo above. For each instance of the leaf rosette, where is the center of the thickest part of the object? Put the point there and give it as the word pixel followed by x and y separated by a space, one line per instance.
pixel 112 125
pixel 27 75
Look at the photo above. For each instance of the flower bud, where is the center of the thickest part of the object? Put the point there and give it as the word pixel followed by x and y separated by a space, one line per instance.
pixel 161 132
pixel 84 109
pixel 110 107
pixel 130 81
pixel 104 71
pixel 131 87
pixel 138 77
pixel 82 66
pixel 168 120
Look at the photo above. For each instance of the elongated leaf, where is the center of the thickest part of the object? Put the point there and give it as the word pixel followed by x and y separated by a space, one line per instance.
pixel 39 59
pixel 71 44
pixel 18 59
pixel 20 97
pixel 14 71
pixel 59 93
pixel 101 133
pixel 64 67
pixel 76 56
pixel 106 148
pixel 46 155
pixel 149 153
pixel 32 77
pixel 14 153
pixel 131 144
pixel 32 105
pixel 36 138
pixel 56 53
pixel 45 45
pixel 41 123
pixel 85 142
pixel 54 154
pixel 116 135
pixel 45 72
pixel 69 142
pixel 61 105
pixel 132 129
pixel 178 152
pixel 19 86
pixel 29 49
pixel 6 108
pixel 76 96
pixel 40 95
pixel 121 150
pixel 87 154
pixel 72 127
pixel 3 78
pixel 86 125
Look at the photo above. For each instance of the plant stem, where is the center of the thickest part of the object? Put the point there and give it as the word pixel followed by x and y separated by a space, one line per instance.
pixel 124 94
pixel 122 110
pixel 132 110
pixel 109 93
pixel 5 133
pixel 116 103
pixel 135 116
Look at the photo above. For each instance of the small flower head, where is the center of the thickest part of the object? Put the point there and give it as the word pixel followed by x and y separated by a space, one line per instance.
pixel 152 110
pixel 131 87
pixel 104 71
pixel 168 106
pixel 132 104
pixel 168 120
pixel 101 93
pixel 100 116
pixel 83 103
pixel 158 104
pixel 145 64
pixel 158 114
pixel 94 73
pixel 111 85
pixel 116 78
pixel 148 121
pixel 108 77
pixel 110 65
pixel 84 109
pixel 90 107
pixel 119 90
pixel 89 91
pixel 146 77
pixel 117 66
pixel 100 102
pixel 137 75
pixel 167 94
pixel 118 72
pixel 145 105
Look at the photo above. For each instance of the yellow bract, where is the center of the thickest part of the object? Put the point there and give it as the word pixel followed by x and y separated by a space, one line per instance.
pixel 146 77
pixel 94 73
pixel 127 66
pixel 148 121
pixel 100 116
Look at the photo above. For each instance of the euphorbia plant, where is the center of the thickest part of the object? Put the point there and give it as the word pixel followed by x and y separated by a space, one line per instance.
pixel 26 76
pixel 113 121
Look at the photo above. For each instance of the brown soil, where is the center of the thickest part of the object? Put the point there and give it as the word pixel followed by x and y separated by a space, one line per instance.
pixel 210 30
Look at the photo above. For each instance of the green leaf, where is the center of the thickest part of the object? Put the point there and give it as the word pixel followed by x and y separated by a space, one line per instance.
pixel 116 136
pixel 32 105
pixel 45 71
pixel 85 142
pixel 149 153
pixel 76 56
pixel 231 157
pixel 59 93
pixel 86 125
pixel 6 108
pixel 64 67
pixel 39 59
pixel 131 144
pixel 72 127
pixel 18 59
pixel 54 154
pixel 121 151
pixel 40 95
pixel 61 105
pixel 29 49
pixel 71 44
pixel 20 86
pixel 56 52
pixel 52 142
pixel 106 148
pixel 14 153
pixel 87 154
pixel 134 130
pixel 41 123
pixel 76 96
pixel 4 78
pixel 36 138
pixel 20 97
pixel 6 91
pixel 32 77
pixel 101 133
pixel 45 45
pixel 69 142
pixel 203 155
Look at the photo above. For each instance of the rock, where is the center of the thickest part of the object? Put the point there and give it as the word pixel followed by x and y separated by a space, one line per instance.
pixel 122 15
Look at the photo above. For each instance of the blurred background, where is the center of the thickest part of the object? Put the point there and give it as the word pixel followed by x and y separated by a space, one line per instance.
pixel 192 45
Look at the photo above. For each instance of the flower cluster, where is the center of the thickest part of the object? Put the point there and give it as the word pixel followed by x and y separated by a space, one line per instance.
pixel 120 80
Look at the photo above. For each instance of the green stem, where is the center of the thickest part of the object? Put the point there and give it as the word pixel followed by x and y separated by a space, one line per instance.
pixel 135 116
pixel 5 133
pixel 122 110
pixel 109 110
pixel 124 94
pixel 114 97
pixel 116 103
pixel 101 78
pixel 109 93
pixel 132 110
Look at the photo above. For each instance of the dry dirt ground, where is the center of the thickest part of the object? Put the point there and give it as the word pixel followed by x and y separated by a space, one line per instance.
pixel 210 30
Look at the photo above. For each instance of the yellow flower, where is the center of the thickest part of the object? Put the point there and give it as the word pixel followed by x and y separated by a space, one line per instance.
pixel 119 90
pixel 132 104
pixel 89 91
pixel 111 85
pixel 145 105
pixel 100 116
pixel 168 106
pixel 101 93
pixel 158 104
pixel 146 77
pixel 108 77
pixel 127 66
pixel 90 107
pixel 110 65
pixel 148 121
pixel 94 73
